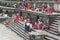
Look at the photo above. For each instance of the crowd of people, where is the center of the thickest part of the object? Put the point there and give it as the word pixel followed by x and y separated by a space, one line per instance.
pixel 32 23
pixel 34 7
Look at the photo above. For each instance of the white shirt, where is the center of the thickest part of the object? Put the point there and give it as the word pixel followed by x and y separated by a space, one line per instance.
pixel 29 24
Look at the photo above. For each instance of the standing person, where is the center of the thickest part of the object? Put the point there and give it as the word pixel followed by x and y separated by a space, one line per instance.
pixel 17 17
pixel 23 5
pixel 27 5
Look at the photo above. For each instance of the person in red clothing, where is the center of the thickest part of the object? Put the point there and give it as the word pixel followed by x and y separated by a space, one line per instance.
pixel 17 17
pixel 43 6
pixel 49 11
pixel 26 5
pixel 41 25
pixel 34 26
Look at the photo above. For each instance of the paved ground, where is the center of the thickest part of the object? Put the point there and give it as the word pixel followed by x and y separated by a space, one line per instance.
pixel 7 34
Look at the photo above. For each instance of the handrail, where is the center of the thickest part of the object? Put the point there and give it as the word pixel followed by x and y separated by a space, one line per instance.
pixel 32 1
pixel 9 1
pixel 7 7
pixel 39 13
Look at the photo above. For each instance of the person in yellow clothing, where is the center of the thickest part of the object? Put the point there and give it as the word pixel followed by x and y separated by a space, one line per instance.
pixel 28 6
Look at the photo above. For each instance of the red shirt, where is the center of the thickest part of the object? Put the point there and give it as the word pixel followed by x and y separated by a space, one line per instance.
pixel 34 26
pixel 40 25
pixel 26 5
pixel 49 11
pixel 43 6
pixel 17 19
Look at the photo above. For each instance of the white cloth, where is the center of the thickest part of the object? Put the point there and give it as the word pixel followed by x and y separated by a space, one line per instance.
pixel 5 15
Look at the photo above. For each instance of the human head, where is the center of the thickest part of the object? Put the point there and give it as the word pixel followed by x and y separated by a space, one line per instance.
pixel 28 20
pixel 22 18
pixel 18 14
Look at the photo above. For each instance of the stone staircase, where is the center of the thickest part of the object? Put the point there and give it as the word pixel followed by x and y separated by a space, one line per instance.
pixel 54 25
pixel 19 29
pixel 53 31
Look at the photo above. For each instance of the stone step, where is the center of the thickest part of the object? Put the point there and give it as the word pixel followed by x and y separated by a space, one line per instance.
pixel 53 28
pixel 52 32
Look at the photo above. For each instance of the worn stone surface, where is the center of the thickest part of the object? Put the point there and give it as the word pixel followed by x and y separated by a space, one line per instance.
pixel 7 34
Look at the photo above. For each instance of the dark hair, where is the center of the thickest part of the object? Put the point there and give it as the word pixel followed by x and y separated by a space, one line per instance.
pixel 28 14
pixel 6 11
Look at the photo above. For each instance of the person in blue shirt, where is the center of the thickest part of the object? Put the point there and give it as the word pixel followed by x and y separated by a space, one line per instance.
pixel 23 5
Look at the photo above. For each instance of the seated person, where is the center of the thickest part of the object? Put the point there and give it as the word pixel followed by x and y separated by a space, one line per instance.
pixel 28 25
